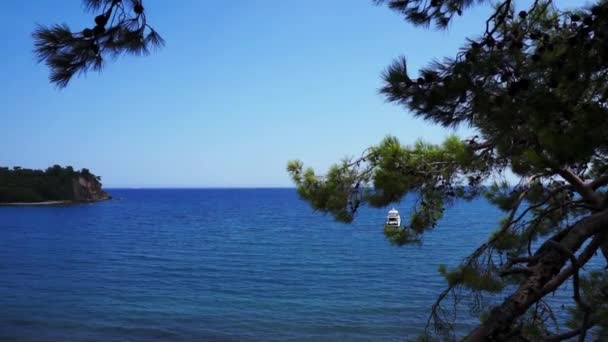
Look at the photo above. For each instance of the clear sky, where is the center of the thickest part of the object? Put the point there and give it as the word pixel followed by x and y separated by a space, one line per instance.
pixel 241 87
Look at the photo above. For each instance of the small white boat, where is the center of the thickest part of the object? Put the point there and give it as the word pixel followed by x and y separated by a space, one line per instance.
pixel 393 219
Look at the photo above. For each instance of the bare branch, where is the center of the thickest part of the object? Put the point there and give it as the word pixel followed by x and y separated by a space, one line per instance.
pixel 499 16
pixel 532 207
pixel 570 334
pixel 598 182
pixel 585 190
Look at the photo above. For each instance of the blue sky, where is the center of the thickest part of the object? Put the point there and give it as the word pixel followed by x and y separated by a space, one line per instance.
pixel 241 87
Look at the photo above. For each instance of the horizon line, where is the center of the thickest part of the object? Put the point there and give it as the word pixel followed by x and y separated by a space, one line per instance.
pixel 196 187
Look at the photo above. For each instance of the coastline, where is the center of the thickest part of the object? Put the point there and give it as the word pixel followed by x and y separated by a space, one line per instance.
pixel 46 203
pixel 37 203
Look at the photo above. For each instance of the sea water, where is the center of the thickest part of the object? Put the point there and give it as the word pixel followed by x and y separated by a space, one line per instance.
pixel 221 264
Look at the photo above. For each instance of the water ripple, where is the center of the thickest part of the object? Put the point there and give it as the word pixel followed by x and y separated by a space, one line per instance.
pixel 242 265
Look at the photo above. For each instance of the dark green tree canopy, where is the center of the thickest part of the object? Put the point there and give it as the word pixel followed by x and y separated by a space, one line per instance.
pixel 119 27
pixel 534 87
pixel 56 183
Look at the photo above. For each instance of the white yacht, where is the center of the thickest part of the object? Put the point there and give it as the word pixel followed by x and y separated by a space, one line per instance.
pixel 393 219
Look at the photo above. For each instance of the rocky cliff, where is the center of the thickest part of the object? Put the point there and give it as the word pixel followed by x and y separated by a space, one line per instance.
pixel 88 189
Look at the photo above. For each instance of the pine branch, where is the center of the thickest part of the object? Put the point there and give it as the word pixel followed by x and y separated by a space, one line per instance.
pixel 117 30
pixel 546 271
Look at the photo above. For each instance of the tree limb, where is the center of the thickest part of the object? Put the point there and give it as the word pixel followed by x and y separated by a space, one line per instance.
pixel 585 255
pixel 570 334
pixel 585 190
pixel 499 17
pixel 551 261
pixel 598 182
pixel 517 270
pixel 518 260
pixel 576 288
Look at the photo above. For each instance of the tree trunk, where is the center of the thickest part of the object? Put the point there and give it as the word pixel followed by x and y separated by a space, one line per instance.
pixel 550 262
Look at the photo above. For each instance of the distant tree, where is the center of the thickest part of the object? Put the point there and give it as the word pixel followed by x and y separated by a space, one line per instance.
pixel 120 27
pixel 54 170
pixel 534 86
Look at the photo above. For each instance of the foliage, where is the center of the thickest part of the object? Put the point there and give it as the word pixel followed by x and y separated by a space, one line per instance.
pixel 594 288
pixel 121 27
pixel 54 184
pixel 386 173
pixel 534 88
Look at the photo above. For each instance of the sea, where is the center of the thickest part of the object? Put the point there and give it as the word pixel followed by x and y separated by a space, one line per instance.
pixel 221 265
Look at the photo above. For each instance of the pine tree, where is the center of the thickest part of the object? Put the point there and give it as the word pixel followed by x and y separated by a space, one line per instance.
pixel 534 87
pixel 120 27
